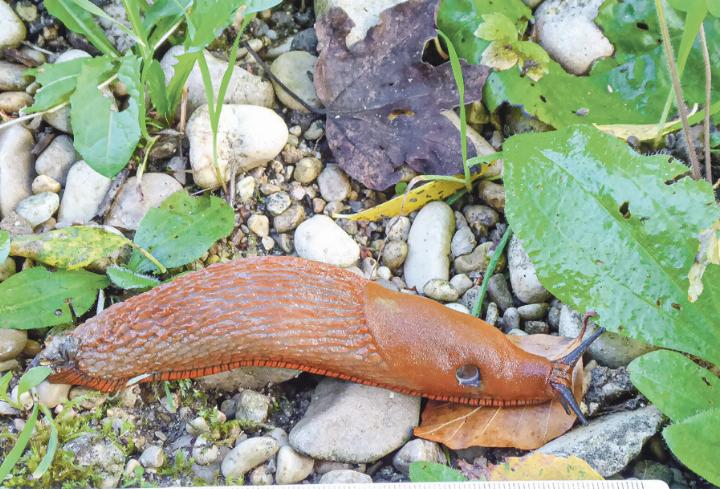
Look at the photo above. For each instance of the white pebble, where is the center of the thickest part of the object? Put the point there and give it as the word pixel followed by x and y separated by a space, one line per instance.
pixel 429 245
pixel 248 454
pixel 321 239
pixel 292 466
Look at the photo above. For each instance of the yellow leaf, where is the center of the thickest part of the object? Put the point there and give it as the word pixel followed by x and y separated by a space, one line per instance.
pixel 644 132
pixel 540 466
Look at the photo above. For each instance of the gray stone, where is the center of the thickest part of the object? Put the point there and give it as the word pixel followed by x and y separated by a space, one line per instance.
pixel 259 224
pixel 16 176
pixel 456 306
pixel 133 201
pixel 260 476
pixel 492 314
pixel 463 242
pixel 246 378
pixel 12 76
pixel 348 422
pixel 609 443
pixel 461 283
pixel 277 203
pixel 152 457
pixel 245 189
pixel 14 102
pixel 533 311
pixel 524 280
pixel 321 239
pixel 607 386
pixel 429 245
pixel 417 450
pixel 499 291
pixel 307 170
pixel 55 160
pixel 292 467
pixel 252 406
pixel 394 254
pixel 52 395
pixel 92 450
pixel 204 452
pixel 12 342
pixel 248 454
pixel 290 219
pixel 511 318
pixel 44 183
pixel 345 477
pixel 38 208
pixel 481 218
pixel 477 261
pixel 334 184
pixel 85 190
pixel 492 193
pixel 12 28
pixel 296 70
pixel 537 327
pixel 398 228
pixel 440 290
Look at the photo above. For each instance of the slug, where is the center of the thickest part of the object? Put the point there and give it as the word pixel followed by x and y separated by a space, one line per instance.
pixel 293 313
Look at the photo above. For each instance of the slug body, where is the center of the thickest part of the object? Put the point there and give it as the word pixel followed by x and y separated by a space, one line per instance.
pixel 292 313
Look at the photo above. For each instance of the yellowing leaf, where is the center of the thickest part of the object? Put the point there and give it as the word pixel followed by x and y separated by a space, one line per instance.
pixel 540 466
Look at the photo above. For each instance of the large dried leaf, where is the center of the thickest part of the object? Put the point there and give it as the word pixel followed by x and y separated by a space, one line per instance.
pixel 384 104
pixel 526 427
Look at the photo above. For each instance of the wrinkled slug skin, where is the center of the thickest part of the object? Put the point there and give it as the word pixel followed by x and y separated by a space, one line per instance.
pixel 289 312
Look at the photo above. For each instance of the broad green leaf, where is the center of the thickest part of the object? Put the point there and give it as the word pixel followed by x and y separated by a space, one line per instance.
pixel 162 10
pixel 57 82
pixel 81 22
pixel 32 378
pixel 496 27
pixel 129 75
pixel 206 20
pixel 36 298
pixel 695 442
pixel 4 245
pixel 127 279
pixel 104 137
pixel 616 232
pixel 155 81
pixel 181 230
pixel 71 247
pixel 21 442
pixel 675 384
pixel 434 472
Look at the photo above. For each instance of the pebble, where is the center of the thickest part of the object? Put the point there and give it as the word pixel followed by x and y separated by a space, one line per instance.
pixel 492 314
pixel 296 70
pixel 499 291
pixel 345 477
pixel 567 31
pixel 260 476
pixel 610 349
pixel 441 290
pixel 248 136
pixel 477 261
pixel 246 378
pixel 463 242
pixel 12 343
pixel 16 177
pixel 7 269
pixel 348 422
pixel 461 283
pixel 315 131
pixel 394 254
pixel 277 203
pixel 248 454
pixel 94 450
pixel 524 280
pixel 259 224
pixel 51 395
pixel 480 218
pixel 13 102
pixel 252 406
pixel 243 88
pixel 321 239
pixel 533 311
pixel 280 435
pixel 44 183
pixel 85 190
pixel 363 15
pixel 292 467
pixel 245 189
pixel 209 474
pixel 607 386
pixel 334 184
pixel 197 426
pixel 493 194
pixel 417 450
pixel 60 118
pixel 12 76
pixel 204 452
pixel 511 318
pixel 307 170
pixel 537 327
pixel 152 457
pixel 398 228
pixel 429 245
pixel 38 208
pixel 470 297
pixel 456 306
pixel 609 443
pixel 516 332
pixel 55 160
pixel 133 201
pixel 12 28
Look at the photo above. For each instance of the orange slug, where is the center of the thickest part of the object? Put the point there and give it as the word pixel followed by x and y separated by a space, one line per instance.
pixel 293 313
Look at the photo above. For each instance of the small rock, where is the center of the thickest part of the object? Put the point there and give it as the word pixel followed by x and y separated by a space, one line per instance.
pixel 307 170
pixel 511 318
pixel 440 290
pixel 260 476
pixel 246 378
pixel 567 31
pixel 259 224
pixel 277 203
pixel 209 474
pixel 499 291
pixel 417 450
pixel 608 386
pixel 7 270
pixel 204 452
pixel 51 395
pixel 248 454
pixel 477 261
pixel 12 343
pixel 245 189
pixel 609 443
pixel 252 406
pixel 280 435
pixel 248 136
pixel 38 208
pixel 398 228
pixel 334 184
pixel 533 311
pixel 536 327
pixel 363 15
pixel 93 450
pixel 429 245
pixel 14 102
pixel 44 183
pixel 492 193
pixel 610 349
pixel 463 242
pixel 197 426
pixel 305 40
pixel 345 477
pixel 321 239
pixel 394 254
pixel 523 277
pixel 461 283
pixel 481 218
pixel 12 28
pixel 16 177
pixel 243 88
pixel 133 201
pixel 296 70
pixel 55 161
pixel 12 76
pixel 292 467
pixel 553 318
pixel 85 190
pixel 516 332
pixel 152 457
pixel 456 306
pixel 492 314
pixel 470 297
pixel 315 131
pixel 354 423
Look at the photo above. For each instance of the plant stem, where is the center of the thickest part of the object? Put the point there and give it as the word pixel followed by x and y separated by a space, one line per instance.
pixel 708 100
pixel 677 88
pixel 491 270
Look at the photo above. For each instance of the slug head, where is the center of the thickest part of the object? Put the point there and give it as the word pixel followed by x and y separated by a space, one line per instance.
pixel 59 353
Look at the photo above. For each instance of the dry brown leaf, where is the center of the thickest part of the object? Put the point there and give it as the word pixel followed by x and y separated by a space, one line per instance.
pixel 526 427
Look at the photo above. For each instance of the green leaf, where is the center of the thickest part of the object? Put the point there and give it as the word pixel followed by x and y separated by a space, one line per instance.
pixel 675 384
pixel 51 445
pixel 4 384
pixel 181 72
pixel 104 137
pixel 81 22
pixel 36 298
pixel 57 82
pixel 496 27
pixel 254 6
pixel 695 442
pixel 32 378
pixel 4 245
pixel 129 74
pixel 71 247
pixel 181 230
pixel 434 472
pixel 616 232
pixel 21 442
pixel 127 279
pixel 206 20
pixel 155 80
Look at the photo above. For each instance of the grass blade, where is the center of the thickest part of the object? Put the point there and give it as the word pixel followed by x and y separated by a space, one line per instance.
pixel 22 440
pixel 51 446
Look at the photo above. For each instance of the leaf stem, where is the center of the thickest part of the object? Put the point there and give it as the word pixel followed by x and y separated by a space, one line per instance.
pixel 490 271
pixel 677 88
pixel 148 256
pixel 708 101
